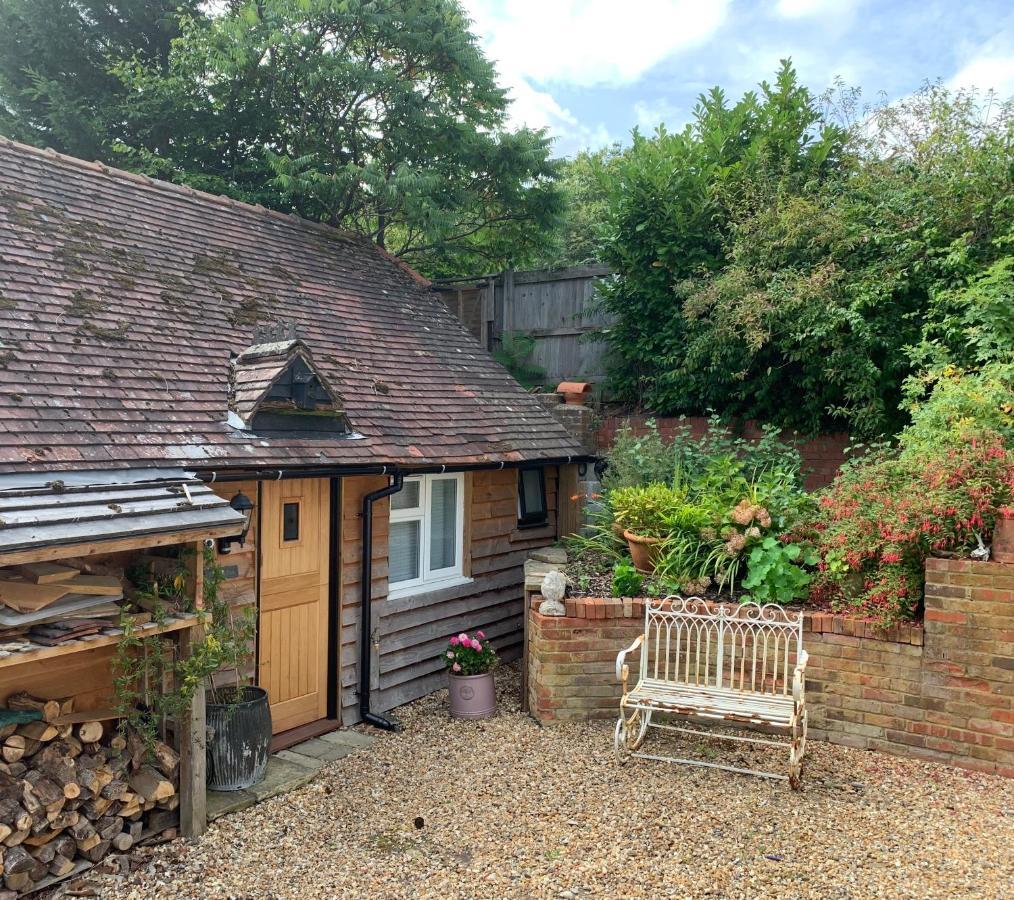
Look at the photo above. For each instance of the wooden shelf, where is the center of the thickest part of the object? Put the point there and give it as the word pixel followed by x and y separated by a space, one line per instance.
pixel 175 623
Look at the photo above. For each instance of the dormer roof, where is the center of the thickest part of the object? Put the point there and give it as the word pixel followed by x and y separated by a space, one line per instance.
pixel 276 386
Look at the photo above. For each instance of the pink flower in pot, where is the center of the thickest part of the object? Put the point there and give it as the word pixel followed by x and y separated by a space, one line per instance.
pixel 456 667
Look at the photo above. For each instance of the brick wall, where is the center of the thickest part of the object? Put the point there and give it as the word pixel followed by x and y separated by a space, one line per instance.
pixel 942 692
pixel 822 455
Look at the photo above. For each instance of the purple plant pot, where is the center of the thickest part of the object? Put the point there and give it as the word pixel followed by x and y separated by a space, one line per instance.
pixel 472 696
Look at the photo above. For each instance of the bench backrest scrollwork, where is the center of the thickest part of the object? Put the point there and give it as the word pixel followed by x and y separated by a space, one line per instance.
pixel 744 647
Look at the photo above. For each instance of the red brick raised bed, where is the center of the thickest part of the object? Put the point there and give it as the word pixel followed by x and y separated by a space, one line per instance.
pixel 942 691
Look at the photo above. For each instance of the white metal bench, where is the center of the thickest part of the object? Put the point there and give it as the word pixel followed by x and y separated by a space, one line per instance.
pixel 742 666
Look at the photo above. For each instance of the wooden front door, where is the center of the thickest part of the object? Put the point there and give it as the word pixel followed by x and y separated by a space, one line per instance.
pixel 293 639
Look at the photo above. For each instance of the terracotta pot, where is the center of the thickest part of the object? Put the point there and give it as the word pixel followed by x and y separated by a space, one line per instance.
pixel 573 392
pixel 643 551
pixel 472 696
pixel 1003 537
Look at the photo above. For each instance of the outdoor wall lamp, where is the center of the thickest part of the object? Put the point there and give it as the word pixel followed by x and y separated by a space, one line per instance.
pixel 242 504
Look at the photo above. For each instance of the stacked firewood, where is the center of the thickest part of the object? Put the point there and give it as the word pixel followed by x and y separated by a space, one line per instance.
pixel 73 791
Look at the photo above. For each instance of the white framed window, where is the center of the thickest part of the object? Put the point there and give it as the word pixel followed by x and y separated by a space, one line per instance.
pixel 425 547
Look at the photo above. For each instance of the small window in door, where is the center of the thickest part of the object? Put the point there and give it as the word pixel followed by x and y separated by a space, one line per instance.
pixel 290 521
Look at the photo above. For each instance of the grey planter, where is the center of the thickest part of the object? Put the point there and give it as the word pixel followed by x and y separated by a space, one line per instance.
pixel 472 696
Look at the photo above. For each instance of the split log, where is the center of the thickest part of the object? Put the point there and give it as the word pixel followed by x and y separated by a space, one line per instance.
pixel 114 790
pixel 44 852
pixel 64 819
pixel 96 808
pixel 17 860
pixel 39 871
pixel 95 852
pixel 18 745
pixel 18 881
pixel 89 843
pixel 16 837
pixel 65 845
pixel 39 731
pixel 90 732
pixel 166 760
pixel 151 785
pixel 81 830
pixel 137 749
pixel 170 803
pixel 61 866
pixel 50 709
pixel 14 814
pixel 5 832
pixel 109 826
pixel 45 789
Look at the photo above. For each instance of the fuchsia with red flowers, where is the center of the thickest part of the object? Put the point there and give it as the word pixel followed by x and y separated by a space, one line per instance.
pixel 470 655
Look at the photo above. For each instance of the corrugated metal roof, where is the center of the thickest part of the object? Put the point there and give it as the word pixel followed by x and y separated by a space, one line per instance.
pixel 43 510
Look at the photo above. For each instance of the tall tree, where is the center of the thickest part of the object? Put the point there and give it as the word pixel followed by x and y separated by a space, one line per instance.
pixel 380 116
pixel 56 84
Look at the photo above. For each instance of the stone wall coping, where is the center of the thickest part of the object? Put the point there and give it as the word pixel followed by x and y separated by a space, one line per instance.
pixel 582 609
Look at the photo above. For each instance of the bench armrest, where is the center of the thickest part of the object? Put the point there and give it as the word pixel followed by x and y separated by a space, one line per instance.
pixel 621 666
pixel 799 677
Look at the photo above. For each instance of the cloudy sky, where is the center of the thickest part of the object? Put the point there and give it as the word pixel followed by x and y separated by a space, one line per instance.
pixel 591 70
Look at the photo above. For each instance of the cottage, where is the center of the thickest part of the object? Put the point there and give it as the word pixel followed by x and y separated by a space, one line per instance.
pixel 389 477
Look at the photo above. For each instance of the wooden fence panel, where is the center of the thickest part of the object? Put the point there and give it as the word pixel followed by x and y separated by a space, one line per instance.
pixel 558 309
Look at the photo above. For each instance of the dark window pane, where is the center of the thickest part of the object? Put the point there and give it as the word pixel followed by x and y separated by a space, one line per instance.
pixel 531 497
pixel 290 522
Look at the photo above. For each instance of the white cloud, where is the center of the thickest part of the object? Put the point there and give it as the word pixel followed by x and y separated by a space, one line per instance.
pixel 589 42
pixel 537 44
pixel 652 113
pixel 798 9
pixel 989 67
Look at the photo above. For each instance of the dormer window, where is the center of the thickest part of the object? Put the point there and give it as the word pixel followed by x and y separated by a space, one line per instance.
pixel 277 388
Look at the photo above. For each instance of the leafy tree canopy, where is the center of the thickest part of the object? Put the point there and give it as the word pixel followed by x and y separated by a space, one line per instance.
pixel 379 116
pixel 776 264
pixel 56 86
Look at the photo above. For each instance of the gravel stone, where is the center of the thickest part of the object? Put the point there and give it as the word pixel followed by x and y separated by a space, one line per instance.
pixel 505 808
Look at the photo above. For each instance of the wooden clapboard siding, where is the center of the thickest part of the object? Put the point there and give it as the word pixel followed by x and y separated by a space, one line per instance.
pixel 413 630
pixel 353 490
pixel 240 564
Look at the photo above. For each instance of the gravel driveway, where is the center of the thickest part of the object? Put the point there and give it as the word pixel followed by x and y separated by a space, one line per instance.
pixel 505 808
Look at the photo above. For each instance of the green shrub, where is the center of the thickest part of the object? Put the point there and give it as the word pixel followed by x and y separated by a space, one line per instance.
pixel 627 581
pixel 644 510
pixel 634 460
pixel 775 573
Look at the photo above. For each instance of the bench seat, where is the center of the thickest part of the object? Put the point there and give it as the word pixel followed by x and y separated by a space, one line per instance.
pixel 749 708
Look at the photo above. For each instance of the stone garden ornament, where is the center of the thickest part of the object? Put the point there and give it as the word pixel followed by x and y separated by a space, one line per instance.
pixel 554 587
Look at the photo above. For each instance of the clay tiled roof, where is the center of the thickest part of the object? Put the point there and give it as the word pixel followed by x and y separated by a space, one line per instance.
pixel 122 300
